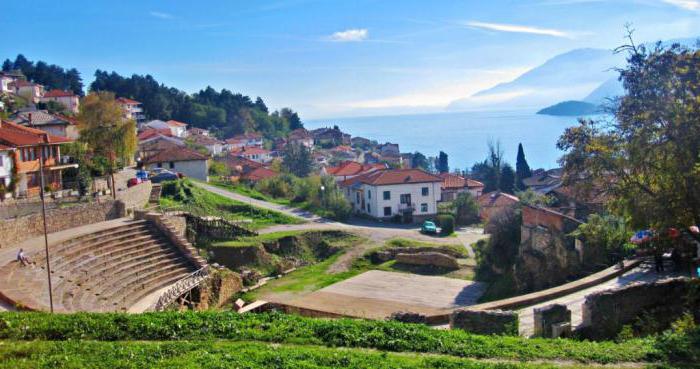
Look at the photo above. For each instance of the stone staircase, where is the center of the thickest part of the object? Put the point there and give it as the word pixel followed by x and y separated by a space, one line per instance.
pixel 107 270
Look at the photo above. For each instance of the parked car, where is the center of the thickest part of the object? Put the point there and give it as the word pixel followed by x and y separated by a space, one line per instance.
pixel 142 175
pixel 133 182
pixel 428 227
pixel 164 176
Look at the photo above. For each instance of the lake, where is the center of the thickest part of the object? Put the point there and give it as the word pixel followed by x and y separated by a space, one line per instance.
pixel 463 135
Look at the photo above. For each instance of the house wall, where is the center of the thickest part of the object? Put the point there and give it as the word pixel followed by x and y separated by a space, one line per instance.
pixel 198 169
pixel 70 102
pixel 5 168
pixel 374 196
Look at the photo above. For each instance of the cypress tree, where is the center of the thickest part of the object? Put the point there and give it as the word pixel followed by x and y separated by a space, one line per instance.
pixel 522 169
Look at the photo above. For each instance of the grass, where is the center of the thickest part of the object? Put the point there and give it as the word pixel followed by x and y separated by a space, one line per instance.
pixel 182 195
pixel 246 190
pixel 289 329
pixel 405 242
pixel 221 354
pixel 258 240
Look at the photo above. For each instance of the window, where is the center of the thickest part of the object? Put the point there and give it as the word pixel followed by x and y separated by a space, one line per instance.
pixel 171 164
pixel 369 210
pixel 387 195
pixel 405 198
pixel 357 197
pixel 423 208
pixel 369 194
pixel 387 211
pixel 424 190
pixel 159 165
pixel 1 164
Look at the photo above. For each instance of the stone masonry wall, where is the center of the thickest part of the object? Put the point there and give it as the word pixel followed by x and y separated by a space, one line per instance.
pixel 135 197
pixel 604 313
pixel 485 321
pixel 20 229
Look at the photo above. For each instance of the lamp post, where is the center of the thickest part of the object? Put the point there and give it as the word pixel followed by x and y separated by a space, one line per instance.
pixel 43 215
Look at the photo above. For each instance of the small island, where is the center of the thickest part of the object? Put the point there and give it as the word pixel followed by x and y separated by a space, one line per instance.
pixel 570 108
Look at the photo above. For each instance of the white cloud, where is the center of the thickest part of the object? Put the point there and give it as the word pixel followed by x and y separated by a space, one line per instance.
pixel 350 35
pixel 162 15
pixel 518 29
pixel 685 4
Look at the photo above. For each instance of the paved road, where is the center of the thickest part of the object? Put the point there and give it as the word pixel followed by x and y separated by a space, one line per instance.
pixel 643 273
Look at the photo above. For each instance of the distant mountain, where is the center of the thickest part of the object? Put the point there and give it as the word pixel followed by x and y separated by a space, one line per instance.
pixel 609 89
pixel 567 76
pixel 571 108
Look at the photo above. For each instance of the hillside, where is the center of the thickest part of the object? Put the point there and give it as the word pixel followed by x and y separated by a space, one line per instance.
pixel 570 108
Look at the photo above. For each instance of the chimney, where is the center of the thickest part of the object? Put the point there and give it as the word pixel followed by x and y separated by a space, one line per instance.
pixel 30 119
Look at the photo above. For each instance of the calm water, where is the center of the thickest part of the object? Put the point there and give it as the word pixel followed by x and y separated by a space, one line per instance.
pixel 463 136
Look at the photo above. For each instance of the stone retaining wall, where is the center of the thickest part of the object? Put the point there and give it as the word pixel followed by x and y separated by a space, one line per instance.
pixel 17 230
pixel 434 259
pixel 604 313
pixel 485 322
pixel 135 197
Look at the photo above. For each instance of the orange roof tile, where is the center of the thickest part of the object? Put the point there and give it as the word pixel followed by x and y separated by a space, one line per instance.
pixel 393 176
pixel 59 93
pixel 175 154
pixel 454 181
pixel 175 123
pixel 18 136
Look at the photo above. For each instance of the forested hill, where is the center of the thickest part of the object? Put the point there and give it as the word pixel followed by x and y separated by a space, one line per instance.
pixel 224 112
pixel 51 76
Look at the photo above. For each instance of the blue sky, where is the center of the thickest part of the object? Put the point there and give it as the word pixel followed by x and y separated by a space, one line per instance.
pixel 331 58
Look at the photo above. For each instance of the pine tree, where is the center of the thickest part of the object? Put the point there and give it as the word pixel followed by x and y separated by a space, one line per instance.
pixel 522 169
pixel 442 164
pixel 507 184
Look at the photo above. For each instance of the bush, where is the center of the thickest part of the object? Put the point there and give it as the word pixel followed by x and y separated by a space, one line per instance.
pixel 466 209
pixel 447 224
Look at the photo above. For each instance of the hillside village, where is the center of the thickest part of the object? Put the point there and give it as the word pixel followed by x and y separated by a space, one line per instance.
pixel 107 208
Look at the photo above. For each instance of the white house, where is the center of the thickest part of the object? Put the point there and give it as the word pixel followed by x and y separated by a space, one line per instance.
pixel 132 109
pixel 412 194
pixel 214 146
pixel 5 81
pixel 178 129
pixel 29 90
pixel 66 98
pixel 301 136
pixel 5 165
pixel 244 140
pixel 253 153
pixel 180 160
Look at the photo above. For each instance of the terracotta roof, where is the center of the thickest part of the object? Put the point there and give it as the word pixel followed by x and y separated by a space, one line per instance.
pixel 124 100
pixel 497 198
pixel 240 164
pixel 175 123
pixel 259 174
pixel 393 176
pixel 152 132
pixel 175 154
pixel 59 93
pixel 299 134
pixel 351 168
pixel 249 150
pixel 41 117
pixel 455 181
pixel 246 136
pixel 18 136
pixel 544 178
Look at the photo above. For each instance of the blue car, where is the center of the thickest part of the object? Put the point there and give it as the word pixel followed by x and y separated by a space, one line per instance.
pixel 142 175
pixel 164 176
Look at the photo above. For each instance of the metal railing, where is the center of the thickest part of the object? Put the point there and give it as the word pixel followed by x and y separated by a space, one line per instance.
pixel 181 287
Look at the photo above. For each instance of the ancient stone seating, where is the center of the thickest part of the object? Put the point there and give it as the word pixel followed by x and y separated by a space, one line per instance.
pixel 108 270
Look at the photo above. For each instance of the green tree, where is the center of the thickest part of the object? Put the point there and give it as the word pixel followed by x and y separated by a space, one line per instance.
pixel 296 159
pixel 648 157
pixel 466 209
pixel 522 169
pixel 419 160
pixel 105 130
pixel 530 197
pixel 442 165
pixel 507 180
pixel 606 237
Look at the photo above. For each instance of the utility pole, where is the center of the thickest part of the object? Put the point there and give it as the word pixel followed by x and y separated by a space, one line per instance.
pixel 43 214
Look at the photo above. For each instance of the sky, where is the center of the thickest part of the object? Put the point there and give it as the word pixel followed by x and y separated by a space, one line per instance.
pixel 331 58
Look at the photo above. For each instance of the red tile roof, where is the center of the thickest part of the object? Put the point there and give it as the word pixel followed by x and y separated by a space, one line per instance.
pixel 352 168
pixel 259 174
pixel 454 181
pixel 17 136
pixel 393 176
pixel 497 199
pixel 249 150
pixel 175 123
pixel 59 93
pixel 175 154
pixel 150 133
pixel 124 100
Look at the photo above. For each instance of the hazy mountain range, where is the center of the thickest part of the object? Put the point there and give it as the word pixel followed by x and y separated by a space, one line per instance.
pixel 587 75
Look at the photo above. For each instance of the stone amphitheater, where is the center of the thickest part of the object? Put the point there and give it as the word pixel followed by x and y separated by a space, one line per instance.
pixel 118 265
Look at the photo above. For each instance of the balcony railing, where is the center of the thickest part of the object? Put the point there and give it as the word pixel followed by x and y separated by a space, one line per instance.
pixel 407 207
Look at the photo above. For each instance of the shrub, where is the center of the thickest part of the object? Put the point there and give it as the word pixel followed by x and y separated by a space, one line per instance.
pixel 447 224
pixel 466 209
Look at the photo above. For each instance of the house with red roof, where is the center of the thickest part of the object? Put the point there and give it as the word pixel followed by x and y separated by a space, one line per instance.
pixel 493 202
pixel 454 184
pixel 411 194
pixel 27 146
pixel 53 124
pixel 66 98
pixel 132 109
pixel 180 160
pixel 251 139
pixel 301 136
pixel 253 153
pixel 349 169
pixel 259 174
pixel 179 129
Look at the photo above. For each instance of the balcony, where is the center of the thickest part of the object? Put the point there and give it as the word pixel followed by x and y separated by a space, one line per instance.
pixel 407 207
